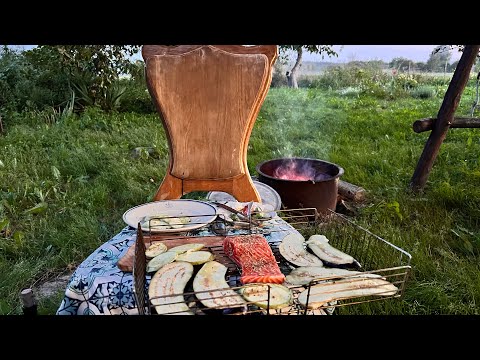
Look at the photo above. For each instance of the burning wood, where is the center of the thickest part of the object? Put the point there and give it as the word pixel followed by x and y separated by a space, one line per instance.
pixel 299 171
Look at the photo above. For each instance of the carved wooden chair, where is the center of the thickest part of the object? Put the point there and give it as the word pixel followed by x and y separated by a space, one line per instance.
pixel 208 97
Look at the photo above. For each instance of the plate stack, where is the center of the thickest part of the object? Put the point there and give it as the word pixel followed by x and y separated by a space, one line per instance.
pixel 267 194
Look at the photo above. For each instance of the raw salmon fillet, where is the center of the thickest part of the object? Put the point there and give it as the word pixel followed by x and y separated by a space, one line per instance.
pixel 254 256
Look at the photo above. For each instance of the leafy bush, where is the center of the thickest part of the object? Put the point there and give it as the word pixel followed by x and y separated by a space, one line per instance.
pixel 406 81
pixel 433 80
pixel 372 79
pixel 113 95
pixel 136 99
pixel 307 81
pixel 27 85
pixel 278 76
pixel 351 75
pixel 349 91
pixel 108 99
pixel 423 92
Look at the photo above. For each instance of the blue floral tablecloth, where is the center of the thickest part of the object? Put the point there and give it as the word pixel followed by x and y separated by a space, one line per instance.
pixel 99 287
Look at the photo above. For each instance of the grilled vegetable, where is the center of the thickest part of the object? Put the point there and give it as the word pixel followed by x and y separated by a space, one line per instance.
pixel 170 281
pixel 292 249
pixel 196 257
pixel 328 291
pixel 320 246
pixel 161 260
pixel 212 277
pixel 186 247
pixel 177 222
pixel 163 221
pixel 280 296
pixel 155 249
pixel 303 275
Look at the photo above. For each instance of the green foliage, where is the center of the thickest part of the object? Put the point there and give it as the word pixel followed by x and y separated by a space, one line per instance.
pixel 278 76
pixel 371 78
pixel 136 99
pixel 439 60
pixel 137 73
pixel 423 92
pixel 91 70
pixel 400 63
pixel 314 49
pixel 406 81
pixel 451 67
pixel 27 85
pixel 113 96
pixel 353 74
pixel 103 62
pixel 43 78
pixel 358 77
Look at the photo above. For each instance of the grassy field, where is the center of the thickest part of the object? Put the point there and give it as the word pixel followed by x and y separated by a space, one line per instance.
pixel 64 187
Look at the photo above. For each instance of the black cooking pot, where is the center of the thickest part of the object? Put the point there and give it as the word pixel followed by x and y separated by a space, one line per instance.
pixel 317 187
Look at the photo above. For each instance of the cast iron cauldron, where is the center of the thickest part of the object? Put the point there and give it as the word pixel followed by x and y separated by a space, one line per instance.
pixel 302 182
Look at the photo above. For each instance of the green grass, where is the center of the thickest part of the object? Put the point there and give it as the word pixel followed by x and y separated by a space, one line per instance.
pixel 81 176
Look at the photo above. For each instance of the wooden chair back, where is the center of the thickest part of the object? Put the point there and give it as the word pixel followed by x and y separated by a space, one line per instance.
pixel 208 97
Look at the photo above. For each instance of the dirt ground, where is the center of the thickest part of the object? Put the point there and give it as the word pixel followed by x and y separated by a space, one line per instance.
pixel 51 287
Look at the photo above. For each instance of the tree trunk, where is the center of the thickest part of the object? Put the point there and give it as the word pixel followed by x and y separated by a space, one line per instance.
pixel 1 125
pixel 293 73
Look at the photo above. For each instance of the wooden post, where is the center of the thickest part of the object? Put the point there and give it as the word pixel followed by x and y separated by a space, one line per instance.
pixel 444 117
pixel 428 124
pixel 29 302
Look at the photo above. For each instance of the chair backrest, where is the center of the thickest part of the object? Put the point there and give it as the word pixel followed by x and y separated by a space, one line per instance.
pixel 208 97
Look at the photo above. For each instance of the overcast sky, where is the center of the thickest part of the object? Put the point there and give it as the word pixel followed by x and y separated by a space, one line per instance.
pixel 380 52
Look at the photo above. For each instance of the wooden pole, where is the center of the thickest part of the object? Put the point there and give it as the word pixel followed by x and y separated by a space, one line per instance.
pixel 444 117
pixel 428 124
pixel 29 302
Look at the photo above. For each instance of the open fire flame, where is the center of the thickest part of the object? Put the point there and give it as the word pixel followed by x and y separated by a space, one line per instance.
pixel 298 170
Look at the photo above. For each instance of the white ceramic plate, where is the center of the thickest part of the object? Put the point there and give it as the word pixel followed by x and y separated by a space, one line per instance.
pixel 267 209
pixel 199 213
pixel 267 194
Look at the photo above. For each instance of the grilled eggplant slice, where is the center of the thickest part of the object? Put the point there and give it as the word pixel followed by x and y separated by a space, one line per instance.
pixel 155 249
pixel 292 249
pixel 163 221
pixel 303 275
pixel 280 296
pixel 196 257
pixel 170 281
pixel 211 278
pixel 161 260
pixel 186 247
pixel 329 291
pixel 334 257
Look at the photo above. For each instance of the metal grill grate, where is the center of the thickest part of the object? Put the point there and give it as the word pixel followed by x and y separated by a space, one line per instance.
pixel 374 254
pixel 139 274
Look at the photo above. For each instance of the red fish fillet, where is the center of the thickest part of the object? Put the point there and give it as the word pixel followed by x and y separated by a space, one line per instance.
pixel 253 254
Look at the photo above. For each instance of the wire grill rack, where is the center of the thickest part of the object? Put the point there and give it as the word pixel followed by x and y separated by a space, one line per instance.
pixel 373 255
